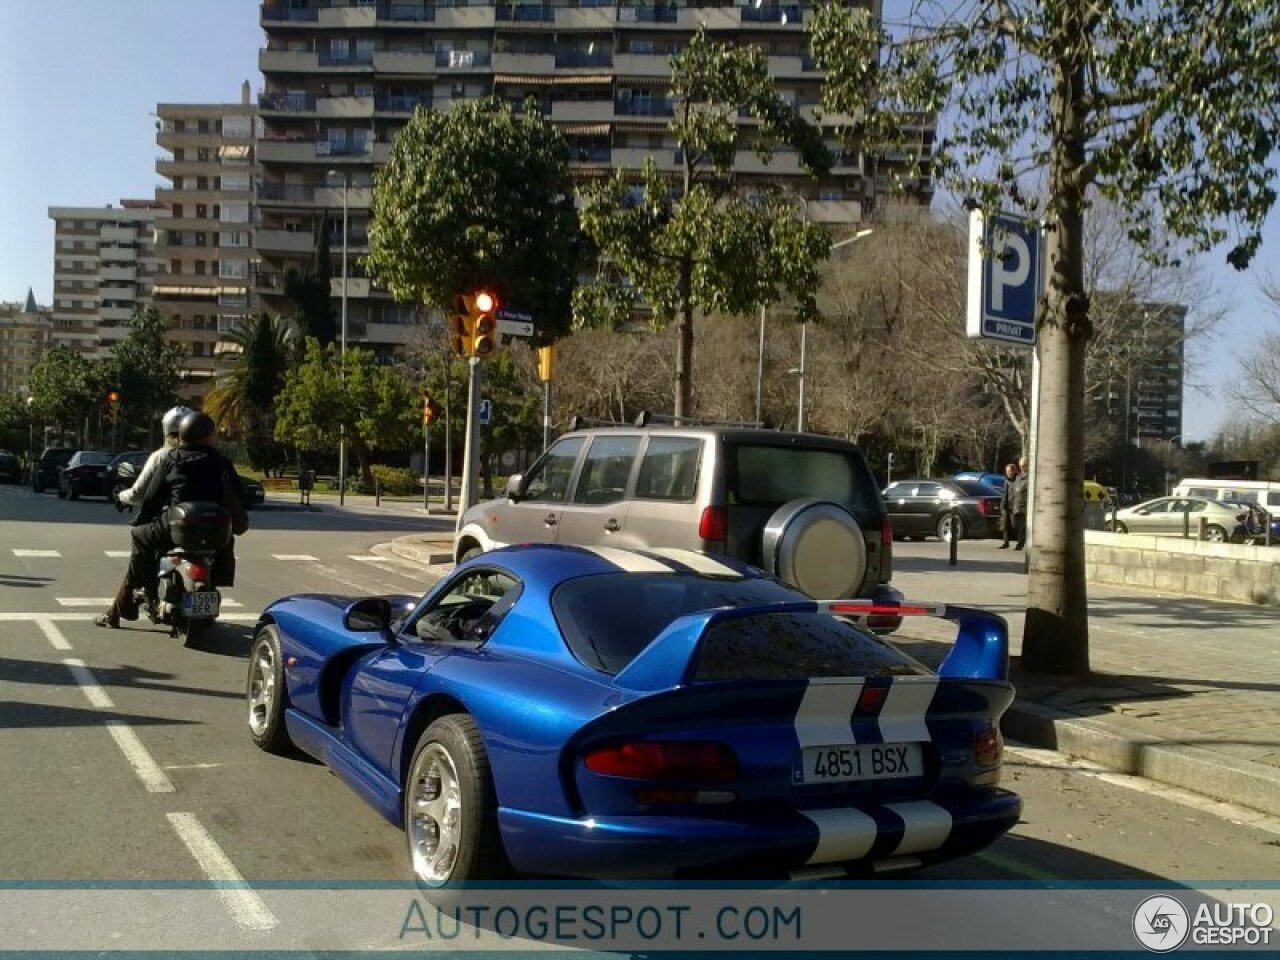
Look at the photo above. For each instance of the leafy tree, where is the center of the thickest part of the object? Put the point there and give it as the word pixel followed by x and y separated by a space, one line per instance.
pixel 146 369
pixel 251 376
pixel 15 422
pixel 67 387
pixel 377 406
pixel 1164 109
pixel 706 245
pixel 478 196
pixel 311 290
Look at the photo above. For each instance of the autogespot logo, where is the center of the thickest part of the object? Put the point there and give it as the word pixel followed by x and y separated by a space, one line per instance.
pixel 1161 923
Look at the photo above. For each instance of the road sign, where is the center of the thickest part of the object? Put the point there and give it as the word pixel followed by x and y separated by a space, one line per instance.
pixel 1006 276
pixel 514 328
pixel 486 411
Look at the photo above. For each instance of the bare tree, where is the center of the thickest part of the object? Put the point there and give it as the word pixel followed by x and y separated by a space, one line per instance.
pixel 1258 388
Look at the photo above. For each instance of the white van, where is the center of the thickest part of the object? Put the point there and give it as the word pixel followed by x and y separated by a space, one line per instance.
pixel 1262 492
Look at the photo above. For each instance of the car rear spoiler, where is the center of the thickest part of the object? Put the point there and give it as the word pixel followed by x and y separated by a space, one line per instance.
pixel 980 651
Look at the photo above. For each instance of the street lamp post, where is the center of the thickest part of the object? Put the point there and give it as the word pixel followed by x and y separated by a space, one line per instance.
pixel 342 369
pixel 31 435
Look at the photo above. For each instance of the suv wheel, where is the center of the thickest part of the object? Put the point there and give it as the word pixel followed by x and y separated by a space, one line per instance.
pixel 817 547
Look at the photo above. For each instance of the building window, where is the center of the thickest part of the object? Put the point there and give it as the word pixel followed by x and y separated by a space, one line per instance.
pixel 235 213
pixel 239 128
pixel 233 269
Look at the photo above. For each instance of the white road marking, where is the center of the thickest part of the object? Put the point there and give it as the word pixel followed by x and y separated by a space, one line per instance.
pixel 357 584
pixel 118 554
pixel 1218 808
pixel 144 766
pixel 243 902
pixel 294 556
pixel 53 634
pixel 107 601
pixel 396 565
pixel 35 553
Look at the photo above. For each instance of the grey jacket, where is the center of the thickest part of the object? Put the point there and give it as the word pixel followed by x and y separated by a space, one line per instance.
pixel 1018 494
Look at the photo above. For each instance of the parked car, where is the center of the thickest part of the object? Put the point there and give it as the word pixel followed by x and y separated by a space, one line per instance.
pixel 85 475
pixel 49 468
pixel 993 480
pixel 1164 516
pixel 805 508
pixel 10 467
pixel 122 479
pixel 252 492
pixel 605 713
pixel 924 508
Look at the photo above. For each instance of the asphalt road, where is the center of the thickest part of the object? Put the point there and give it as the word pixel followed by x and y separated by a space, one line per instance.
pixel 125 757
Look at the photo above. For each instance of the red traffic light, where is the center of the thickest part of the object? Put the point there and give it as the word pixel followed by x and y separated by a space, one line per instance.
pixel 113 396
pixel 485 302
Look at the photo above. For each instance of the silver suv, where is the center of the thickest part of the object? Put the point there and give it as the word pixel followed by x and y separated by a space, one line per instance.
pixel 804 508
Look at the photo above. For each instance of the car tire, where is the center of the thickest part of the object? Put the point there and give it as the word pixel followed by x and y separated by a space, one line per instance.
pixel 1215 534
pixel 1119 527
pixel 266 694
pixel 470 553
pixel 817 547
pixel 62 494
pixel 451 809
pixel 944 527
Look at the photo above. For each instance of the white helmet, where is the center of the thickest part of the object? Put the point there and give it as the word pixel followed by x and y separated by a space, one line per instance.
pixel 172 419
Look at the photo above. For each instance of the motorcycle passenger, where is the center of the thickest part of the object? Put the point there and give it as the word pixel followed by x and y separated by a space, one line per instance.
pixel 193 470
pixel 169 423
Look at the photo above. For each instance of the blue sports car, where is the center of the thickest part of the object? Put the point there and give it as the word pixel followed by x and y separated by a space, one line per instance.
pixel 605 713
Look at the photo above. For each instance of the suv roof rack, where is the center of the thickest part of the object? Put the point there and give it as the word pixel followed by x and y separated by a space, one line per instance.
pixel 646 417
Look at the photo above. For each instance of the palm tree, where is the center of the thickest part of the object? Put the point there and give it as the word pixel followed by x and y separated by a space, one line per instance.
pixel 252 374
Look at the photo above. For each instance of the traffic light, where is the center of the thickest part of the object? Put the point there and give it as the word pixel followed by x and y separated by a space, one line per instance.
pixel 113 403
pixel 474 328
pixel 546 363
pixel 430 409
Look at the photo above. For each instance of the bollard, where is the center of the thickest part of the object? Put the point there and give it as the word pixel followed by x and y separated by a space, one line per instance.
pixel 1203 532
pixel 377 492
pixel 1186 523
pixel 955 536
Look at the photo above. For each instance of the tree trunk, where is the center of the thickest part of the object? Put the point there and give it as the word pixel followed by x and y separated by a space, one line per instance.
pixel 1056 637
pixel 684 342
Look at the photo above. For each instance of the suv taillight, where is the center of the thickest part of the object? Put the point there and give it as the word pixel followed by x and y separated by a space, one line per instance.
pixel 886 532
pixel 714 524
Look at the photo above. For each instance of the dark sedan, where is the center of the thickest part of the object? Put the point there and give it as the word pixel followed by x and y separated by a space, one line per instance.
pixel 252 492
pixel 135 460
pixel 86 475
pixel 49 469
pixel 923 508
pixel 10 468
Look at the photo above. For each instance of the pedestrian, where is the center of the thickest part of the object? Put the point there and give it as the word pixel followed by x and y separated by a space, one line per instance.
pixel 1018 503
pixel 1006 503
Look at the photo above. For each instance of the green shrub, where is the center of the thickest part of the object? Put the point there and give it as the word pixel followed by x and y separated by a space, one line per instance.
pixel 396 481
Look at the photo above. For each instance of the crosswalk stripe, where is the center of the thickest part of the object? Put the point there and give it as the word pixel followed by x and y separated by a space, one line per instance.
pixel 117 554
pixel 35 553
pixel 294 556
pixel 106 601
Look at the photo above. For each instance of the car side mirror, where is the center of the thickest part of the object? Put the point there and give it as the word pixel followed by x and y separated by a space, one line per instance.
pixel 368 614
pixel 515 486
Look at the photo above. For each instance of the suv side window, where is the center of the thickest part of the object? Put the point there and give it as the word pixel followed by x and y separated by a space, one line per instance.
pixel 669 470
pixel 549 478
pixel 606 470
pixel 929 491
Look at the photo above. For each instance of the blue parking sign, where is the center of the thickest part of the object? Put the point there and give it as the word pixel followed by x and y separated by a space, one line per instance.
pixel 1005 278
pixel 486 412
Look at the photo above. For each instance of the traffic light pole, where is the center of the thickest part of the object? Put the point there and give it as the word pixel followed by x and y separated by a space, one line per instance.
pixel 426 466
pixel 471 452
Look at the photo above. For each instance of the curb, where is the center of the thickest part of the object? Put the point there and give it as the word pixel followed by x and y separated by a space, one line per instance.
pixel 424 551
pixel 1164 761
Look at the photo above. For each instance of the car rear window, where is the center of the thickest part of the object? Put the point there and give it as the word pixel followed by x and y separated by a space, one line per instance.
pixel 771 475
pixel 608 619
pixel 93 459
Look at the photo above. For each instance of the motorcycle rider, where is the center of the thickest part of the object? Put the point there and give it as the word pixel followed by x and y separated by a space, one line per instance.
pixel 169 424
pixel 193 470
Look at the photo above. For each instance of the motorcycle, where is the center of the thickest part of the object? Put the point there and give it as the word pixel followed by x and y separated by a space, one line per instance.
pixel 1251 527
pixel 188 599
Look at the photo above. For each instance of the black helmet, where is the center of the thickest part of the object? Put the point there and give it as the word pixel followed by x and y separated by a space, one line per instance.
pixel 197 429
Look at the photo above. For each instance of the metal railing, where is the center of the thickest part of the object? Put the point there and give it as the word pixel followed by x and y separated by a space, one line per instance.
pixel 292 102
pixel 644 107
pixel 582 58
pixel 388 103
pixel 788 13
pixel 525 12
pixel 463 59
pixel 406 12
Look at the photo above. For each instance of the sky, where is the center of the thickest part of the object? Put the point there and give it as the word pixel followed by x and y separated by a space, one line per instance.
pixel 79 84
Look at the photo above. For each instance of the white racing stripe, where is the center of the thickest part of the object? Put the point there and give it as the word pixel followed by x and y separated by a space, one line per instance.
pixel 902 718
pixel 107 601
pixel 698 561
pixel 246 907
pixel 927 826
pixel 144 766
pixel 630 561
pixel 824 714
pixel 35 553
pixel 843 834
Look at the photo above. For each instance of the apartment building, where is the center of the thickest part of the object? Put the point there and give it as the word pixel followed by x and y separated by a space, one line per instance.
pixel 24 336
pixel 204 234
pixel 341 77
pixel 103 268
pixel 1144 401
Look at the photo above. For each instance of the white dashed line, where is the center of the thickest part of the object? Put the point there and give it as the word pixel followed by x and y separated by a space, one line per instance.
pixel 294 556
pixel 246 907
pixel 118 554
pixel 35 553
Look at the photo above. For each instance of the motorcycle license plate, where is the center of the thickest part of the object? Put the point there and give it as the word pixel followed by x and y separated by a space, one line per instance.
pixel 204 604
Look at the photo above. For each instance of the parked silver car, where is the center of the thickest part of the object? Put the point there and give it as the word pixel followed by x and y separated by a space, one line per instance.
pixel 1164 516
pixel 805 508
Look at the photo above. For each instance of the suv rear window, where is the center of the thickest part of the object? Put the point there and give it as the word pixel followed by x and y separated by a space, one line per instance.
pixel 768 475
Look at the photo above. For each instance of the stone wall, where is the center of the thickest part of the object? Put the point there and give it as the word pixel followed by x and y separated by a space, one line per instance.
pixel 1220 571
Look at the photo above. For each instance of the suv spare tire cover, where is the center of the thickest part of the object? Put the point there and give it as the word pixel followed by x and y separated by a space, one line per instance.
pixel 817 547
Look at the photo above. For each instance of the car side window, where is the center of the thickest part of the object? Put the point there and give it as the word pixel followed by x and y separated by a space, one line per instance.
pixel 548 479
pixel 1158 506
pixel 470 609
pixel 606 469
pixel 929 491
pixel 669 470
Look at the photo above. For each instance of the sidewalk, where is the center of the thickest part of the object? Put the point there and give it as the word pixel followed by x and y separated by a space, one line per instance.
pixel 1185 691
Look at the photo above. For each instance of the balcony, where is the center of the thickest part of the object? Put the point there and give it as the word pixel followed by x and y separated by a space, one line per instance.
pixel 405 13
pixel 633 158
pixel 116 292
pixel 535 64
pixel 357 287
pixel 112 315
pixel 273 194
pixel 118 272
pixel 343 148
pixel 582 111
pixel 284 241
pixel 642 65
pixel 356 59
pixel 783 163
pixel 283 13
pixel 361 15
pixel 525 13
pixel 480 17
pixel 388 103
pixel 787 67
pixel 117 235
pixel 585 18
pixel 658 13
pixel 463 59
pixel 644 107
pixel 288 61
pixel 784 14
pixel 345 107
pixel 405 61
pixel 388 333
pixel 599 154
pixel 287 103
pixel 583 59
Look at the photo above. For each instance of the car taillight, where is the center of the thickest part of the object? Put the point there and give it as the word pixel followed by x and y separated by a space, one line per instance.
pixel 886 532
pixel 698 761
pixel 713 524
pixel 986 507
pixel 988 747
